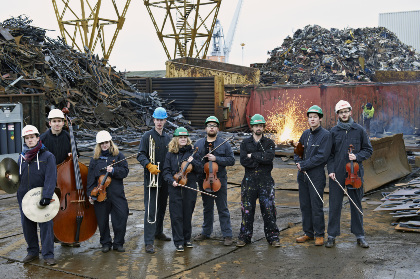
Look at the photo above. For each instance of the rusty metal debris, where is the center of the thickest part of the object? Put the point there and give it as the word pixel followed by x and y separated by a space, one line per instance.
pixel 317 55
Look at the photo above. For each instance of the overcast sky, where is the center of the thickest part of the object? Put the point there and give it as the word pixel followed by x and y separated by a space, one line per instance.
pixel 262 26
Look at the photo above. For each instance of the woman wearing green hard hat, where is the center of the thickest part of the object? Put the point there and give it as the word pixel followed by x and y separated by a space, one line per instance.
pixel 181 200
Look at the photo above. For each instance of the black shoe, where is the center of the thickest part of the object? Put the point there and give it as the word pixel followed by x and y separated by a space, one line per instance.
pixel 30 258
pixel 162 237
pixel 150 249
pixel 330 242
pixel 179 248
pixel 50 261
pixel 362 243
pixel 119 249
pixel 106 248
pixel 188 244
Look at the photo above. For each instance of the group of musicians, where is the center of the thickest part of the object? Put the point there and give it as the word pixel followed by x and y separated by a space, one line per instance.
pixel 164 158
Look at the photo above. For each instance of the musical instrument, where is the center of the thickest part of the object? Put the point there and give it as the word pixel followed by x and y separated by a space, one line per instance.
pixel 208 194
pixel 352 168
pixel 114 163
pixel 153 179
pixel 211 151
pixel 186 168
pixel 36 212
pixel 345 192
pixel 76 219
pixel 211 182
pixel 9 175
pixel 99 192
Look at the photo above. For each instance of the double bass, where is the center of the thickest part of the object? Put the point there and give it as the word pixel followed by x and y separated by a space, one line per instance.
pixel 76 219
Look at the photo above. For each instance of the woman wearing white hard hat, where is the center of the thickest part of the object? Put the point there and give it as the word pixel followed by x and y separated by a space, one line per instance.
pixel 37 168
pixel 105 154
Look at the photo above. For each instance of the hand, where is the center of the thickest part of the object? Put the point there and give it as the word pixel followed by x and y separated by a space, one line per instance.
pixel 352 157
pixel 332 175
pixel 249 155
pixel 109 169
pixel 211 157
pixel 298 166
pixel 91 201
pixel 153 169
pixel 44 201
pixel 190 159
pixel 175 184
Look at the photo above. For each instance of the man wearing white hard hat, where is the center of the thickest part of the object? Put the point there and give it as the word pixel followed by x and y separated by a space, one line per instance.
pixel 344 134
pixel 37 168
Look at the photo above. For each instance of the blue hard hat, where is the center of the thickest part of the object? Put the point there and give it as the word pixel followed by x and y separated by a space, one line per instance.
pixel 160 113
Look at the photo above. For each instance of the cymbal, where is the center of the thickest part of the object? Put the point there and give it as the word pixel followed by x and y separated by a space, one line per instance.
pixel 35 212
pixel 9 175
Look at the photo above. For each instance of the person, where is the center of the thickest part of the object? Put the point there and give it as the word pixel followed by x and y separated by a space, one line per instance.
pixel 106 153
pixel 37 168
pixel 368 112
pixel 223 156
pixel 346 132
pixel 316 142
pixel 257 156
pixel 181 200
pixel 153 220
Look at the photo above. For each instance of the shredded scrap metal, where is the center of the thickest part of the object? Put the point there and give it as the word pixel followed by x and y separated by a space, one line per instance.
pixel 317 55
pixel 98 96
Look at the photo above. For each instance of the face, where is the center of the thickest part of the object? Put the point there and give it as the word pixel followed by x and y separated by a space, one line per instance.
pixel 56 125
pixel 31 140
pixel 314 120
pixel 212 129
pixel 344 114
pixel 182 141
pixel 105 145
pixel 159 123
pixel 258 129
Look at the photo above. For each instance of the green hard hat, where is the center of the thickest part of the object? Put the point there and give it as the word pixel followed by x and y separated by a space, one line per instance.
pixel 212 119
pixel 181 131
pixel 257 119
pixel 315 109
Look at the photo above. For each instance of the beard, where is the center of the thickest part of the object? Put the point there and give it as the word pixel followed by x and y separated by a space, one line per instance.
pixel 258 132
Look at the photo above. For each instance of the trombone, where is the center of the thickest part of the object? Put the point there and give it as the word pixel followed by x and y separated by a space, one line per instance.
pixel 153 180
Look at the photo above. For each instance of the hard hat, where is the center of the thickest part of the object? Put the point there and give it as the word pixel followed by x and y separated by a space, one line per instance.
pixel 29 130
pixel 342 105
pixel 369 105
pixel 212 119
pixel 257 119
pixel 160 113
pixel 55 113
pixel 103 136
pixel 315 109
pixel 181 131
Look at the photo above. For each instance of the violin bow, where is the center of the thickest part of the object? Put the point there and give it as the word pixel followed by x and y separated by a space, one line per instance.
pixel 218 146
pixel 185 186
pixel 313 186
pixel 119 161
pixel 345 192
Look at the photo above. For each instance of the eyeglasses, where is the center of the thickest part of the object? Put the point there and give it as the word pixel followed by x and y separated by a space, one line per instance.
pixel 212 125
pixel 344 112
pixel 105 142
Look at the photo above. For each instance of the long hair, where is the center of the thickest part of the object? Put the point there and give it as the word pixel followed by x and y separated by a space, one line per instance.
pixel 113 149
pixel 173 145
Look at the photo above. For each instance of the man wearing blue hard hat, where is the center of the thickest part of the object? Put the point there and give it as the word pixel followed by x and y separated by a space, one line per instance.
pixel 152 153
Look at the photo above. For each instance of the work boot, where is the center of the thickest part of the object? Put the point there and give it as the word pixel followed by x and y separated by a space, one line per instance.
pixel 319 241
pixel 275 243
pixel 228 241
pixel 201 237
pixel 240 243
pixel 30 258
pixel 162 237
pixel 188 244
pixel 330 242
pixel 179 248
pixel 50 261
pixel 150 249
pixel 106 248
pixel 362 243
pixel 304 238
pixel 119 248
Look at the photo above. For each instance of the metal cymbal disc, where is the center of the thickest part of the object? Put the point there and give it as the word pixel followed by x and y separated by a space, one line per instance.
pixel 34 212
pixel 9 175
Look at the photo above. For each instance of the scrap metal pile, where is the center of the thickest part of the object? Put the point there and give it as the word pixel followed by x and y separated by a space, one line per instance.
pixel 97 95
pixel 317 55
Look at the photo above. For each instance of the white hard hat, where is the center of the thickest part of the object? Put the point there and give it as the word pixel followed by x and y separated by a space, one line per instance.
pixel 103 136
pixel 342 105
pixel 29 130
pixel 55 113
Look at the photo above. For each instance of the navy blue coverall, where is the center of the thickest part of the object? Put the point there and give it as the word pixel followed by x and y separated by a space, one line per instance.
pixel 161 148
pixel 317 148
pixel 339 157
pixel 182 200
pixel 224 157
pixel 115 204
pixel 258 183
pixel 40 172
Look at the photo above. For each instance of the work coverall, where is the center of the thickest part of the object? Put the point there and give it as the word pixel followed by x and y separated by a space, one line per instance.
pixel 59 145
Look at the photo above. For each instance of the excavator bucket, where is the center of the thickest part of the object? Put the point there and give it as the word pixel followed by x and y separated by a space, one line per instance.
pixel 387 163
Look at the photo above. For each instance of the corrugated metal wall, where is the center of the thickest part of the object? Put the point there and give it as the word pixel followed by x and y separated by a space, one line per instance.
pixel 406 25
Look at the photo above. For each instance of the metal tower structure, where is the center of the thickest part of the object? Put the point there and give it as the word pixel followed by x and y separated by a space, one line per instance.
pixel 182 22
pixel 82 26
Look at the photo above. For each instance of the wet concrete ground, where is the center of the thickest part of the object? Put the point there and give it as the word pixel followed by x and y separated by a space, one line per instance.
pixel 391 254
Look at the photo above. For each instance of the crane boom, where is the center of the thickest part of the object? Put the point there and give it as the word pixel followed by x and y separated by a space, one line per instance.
pixel 231 33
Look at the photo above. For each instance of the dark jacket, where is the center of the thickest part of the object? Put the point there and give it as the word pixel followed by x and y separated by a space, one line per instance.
pixel 262 155
pixel 31 175
pixel 339 156
pixel 59 145
pixel 224 154
pixel 174 161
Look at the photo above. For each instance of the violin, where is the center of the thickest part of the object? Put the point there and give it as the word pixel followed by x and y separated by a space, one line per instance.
pixel 352 168
pixel 99 192
pixel 212 182
pixel 298 149
pixel 186 167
